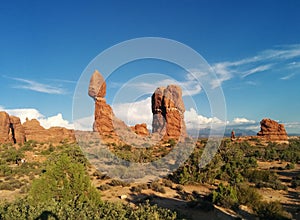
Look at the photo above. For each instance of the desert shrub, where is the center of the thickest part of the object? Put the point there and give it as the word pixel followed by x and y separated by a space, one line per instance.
pixel 290 166
pixel 6 186
pixel 139 188
pixel 115 182
pixel 271 210
pixel 12 154
pixel 158 187
pixel 104 187
pixel 63 181
pixel 136 189
pixel 179 188
pixel 248 195
pixel 5 170
pixel 167 183
pixel 152 212
pixel 295 181
pixel 225 196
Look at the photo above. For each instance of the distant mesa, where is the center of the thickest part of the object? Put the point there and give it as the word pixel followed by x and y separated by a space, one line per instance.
pixel 272 130
pixel 12 131
pixel 167 108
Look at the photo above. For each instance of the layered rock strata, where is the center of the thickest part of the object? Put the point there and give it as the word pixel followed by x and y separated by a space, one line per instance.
pixel 272 130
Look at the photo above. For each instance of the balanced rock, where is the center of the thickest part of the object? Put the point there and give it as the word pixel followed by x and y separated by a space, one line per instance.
pixel 272 130
pixel 168 112
pixel 140 129
pixel 97 87
pixel 104 115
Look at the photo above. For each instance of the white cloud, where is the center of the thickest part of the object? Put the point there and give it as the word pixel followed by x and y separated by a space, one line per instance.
pixel 193 120
pixel 280 57
pixel 242 121
pixel 37 87
pixel 257 69
pixel 84 124
pixel 287 77
pixel 46 122
pixel 134 112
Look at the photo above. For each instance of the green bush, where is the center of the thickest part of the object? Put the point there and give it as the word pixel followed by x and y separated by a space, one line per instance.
pixel 225 196
pixel 272 210
pixel 158 187
pixel 104 187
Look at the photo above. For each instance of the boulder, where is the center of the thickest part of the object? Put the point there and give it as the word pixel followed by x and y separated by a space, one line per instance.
pixel 272 130
pixel 97 86
pixel 141 129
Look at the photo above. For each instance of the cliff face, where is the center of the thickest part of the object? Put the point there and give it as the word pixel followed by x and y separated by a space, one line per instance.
pixel 12 131
pixel 272 130
pixel 168 112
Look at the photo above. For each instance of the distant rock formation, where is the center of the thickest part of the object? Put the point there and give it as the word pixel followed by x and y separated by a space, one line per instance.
pixel 168 112
pixel 140 129
pixel 18 132
pixel 34 131
pixel 12 131
pixel 272 130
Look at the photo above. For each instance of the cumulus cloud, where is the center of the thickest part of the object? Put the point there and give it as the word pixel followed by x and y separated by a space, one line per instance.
pixel 193 120
pixel 242 121
pixel 84 124
pixel 46 122
pixel 135 112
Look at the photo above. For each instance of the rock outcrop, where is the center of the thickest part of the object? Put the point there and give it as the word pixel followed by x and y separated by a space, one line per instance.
pixel 11 129
pixel 17 130
pixel 140 129
pixel 5 128
pixel 34 131
pixel 272 130
pixel 103 112
pixel 168 112
pixel 167 108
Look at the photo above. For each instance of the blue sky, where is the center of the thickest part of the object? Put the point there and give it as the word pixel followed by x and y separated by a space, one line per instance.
pixel 254 47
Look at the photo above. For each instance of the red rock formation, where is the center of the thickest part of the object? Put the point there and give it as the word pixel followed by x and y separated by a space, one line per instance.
pixel 5 136
pixel 168 112
pixel 18 132
pixel 140 129
pixel 103 112
pixel 103 117
pixel 272 130
pixel 34 131
pixel 97 87
pixel 11 129
pixel 159 121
